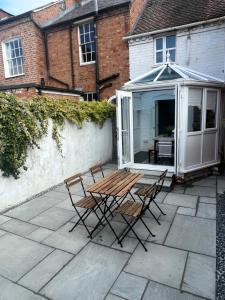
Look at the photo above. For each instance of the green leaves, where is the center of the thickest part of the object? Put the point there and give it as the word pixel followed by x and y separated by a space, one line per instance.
pixel 24 122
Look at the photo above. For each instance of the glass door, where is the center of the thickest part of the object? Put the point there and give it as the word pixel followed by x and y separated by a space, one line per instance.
pixel 125 138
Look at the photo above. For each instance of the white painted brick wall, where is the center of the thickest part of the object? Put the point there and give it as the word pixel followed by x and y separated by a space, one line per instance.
pixel 201 49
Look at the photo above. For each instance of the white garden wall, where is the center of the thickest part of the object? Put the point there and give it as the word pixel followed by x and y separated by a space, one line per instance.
pixel 81 148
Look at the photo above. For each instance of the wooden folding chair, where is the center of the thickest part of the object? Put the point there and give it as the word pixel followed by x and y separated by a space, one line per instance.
pixel 96 169
pixel 136 211
pixel 88 203
pixel 143 190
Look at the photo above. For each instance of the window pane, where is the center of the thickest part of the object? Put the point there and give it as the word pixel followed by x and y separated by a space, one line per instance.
pixel 211 105
pixel 81 29
pixel 159 44
pixel 172 55
pixel 14 56
pixel 87 40
pixel 159 57
pixel 171 41
pixel 194 110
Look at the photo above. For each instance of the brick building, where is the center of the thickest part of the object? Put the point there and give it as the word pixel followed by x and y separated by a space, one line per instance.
pixel 67 48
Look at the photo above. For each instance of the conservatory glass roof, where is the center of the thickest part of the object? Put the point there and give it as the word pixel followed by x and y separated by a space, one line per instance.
pixel 168 72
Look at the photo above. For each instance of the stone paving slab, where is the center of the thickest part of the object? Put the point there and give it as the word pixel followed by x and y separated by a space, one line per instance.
pixel 71 242
pixel 31 209
pixel 18 227
pixel 160 197
pixel 113 297
pixel 162 264
pixel 18 255
pixel 56 195
pixel 210 182
pixel 181 200
pixel 186 211
pixel 88 276
pixel 193 234
pixel 66 204
pixel 129 286
pixel 39 234
pixel 44 271
pixel 156 291
pixel 178 189
pixel 12 291
pixel 159 230
pixel 207 211
pixel 106 236
pixel 129 244
pixel 3 219
pixel 53 218
pixel 199 278
pixel 207 200
pixel 202 191
pixel 169 210
pixel 2 232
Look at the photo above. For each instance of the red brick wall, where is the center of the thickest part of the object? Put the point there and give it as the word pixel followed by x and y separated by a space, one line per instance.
pixel 32 51
pixel 113 54
pixel 45 14
pixel 135 10
pixel 59 57
pixel 113 51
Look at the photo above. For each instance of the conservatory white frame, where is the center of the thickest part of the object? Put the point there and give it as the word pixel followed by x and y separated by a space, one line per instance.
pixel 188 79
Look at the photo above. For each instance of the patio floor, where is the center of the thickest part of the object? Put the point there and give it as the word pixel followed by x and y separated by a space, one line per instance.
pixel 40 259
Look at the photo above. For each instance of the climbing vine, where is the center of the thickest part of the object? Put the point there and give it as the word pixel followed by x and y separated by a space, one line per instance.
pixel 24 122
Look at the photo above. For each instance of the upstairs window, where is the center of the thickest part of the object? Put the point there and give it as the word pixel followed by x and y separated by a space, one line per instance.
pixel 87 43
pixel 13 58
pixel 162 46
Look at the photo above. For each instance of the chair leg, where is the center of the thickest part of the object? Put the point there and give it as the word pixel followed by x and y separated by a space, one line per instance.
pixel 130 228
pixel 153 235
pixel 87 213
pixel 107 221
pixel 159 208
pixel 154 216
pixel 132 196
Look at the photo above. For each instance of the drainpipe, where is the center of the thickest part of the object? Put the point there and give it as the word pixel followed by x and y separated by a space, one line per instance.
pixel 96 52
pixel 71 55
pixel 47 63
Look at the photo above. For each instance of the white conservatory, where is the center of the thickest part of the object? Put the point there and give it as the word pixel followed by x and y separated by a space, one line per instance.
pixel 169 117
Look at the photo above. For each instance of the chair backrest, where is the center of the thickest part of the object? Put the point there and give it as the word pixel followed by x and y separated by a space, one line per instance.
pixel 150 195
pixel 161 181
pixel 96 169
pixel 165 149
pixel 72 181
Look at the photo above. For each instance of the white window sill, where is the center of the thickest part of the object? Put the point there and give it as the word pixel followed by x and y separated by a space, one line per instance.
pixel 13 76
pixel 87 63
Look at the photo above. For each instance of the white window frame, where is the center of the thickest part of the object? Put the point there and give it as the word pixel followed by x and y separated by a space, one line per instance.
pixel 92 96
pixel 6 59
pixel 82 63
pixel 164 49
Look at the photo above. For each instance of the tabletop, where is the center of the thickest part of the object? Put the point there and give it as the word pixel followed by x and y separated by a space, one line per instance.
pixel 115 184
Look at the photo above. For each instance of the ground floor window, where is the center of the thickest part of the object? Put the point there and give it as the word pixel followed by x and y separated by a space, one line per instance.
pixel 90 96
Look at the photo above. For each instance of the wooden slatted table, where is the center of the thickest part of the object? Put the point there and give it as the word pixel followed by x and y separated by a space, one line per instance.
pixel 118 185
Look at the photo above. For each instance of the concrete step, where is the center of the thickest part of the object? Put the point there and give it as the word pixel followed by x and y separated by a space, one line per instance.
pixel 152 174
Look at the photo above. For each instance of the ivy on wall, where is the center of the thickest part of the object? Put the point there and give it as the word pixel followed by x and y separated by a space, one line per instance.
pixel 24 122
